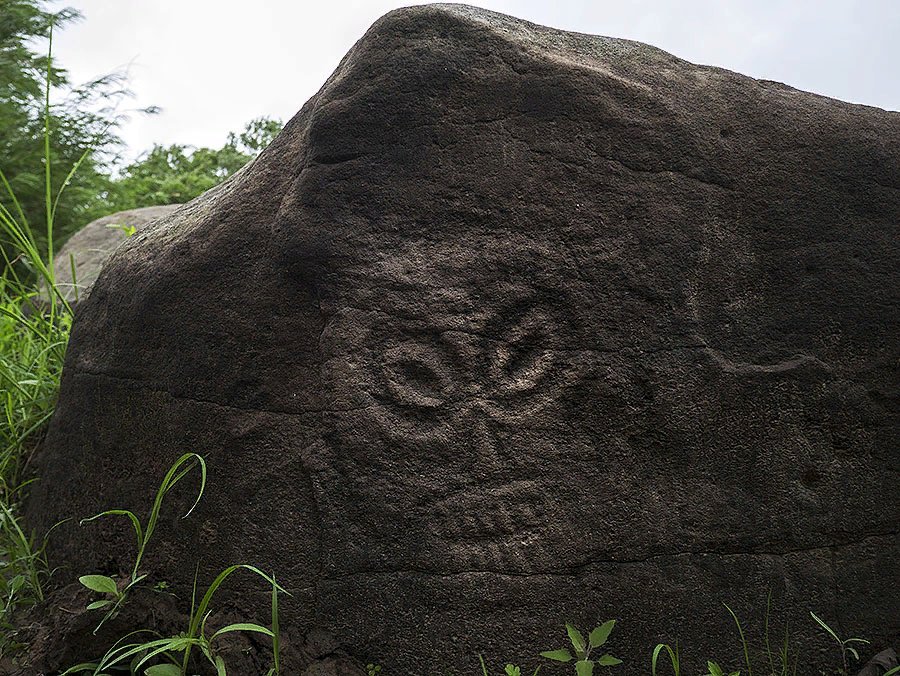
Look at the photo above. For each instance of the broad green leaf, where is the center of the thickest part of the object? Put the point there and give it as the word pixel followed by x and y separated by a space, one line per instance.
pixel 243 626
pixel 100 583
pixel 584 668
pixel 96 605
pixel 561 655
pixel 714 669
pixel 163 670
pixel 600 635
pixel 608 661
pixel 512 670
pixel 576 638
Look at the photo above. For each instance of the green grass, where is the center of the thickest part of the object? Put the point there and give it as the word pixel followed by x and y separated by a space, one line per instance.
pixel 666 660
pixel 777 664
pixel 172 654
pixel 35 321
pixel 34 332
pixel 32 345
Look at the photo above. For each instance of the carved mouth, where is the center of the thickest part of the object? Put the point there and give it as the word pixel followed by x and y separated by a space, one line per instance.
pixel 493 526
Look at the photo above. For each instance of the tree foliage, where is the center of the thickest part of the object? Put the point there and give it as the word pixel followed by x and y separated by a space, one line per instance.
pixel 83 124
pixel 82 120
pixel 177 173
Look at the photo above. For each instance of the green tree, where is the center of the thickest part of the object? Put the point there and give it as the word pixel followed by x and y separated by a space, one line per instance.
pixel 177 173
pixel 258 134
pixel 83 124
pixel 82 121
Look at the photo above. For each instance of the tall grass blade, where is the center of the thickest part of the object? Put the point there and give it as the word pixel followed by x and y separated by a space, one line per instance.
pixel 743 640
pixel 48 189
pixel 172 477
pixel 276 631
pixel 673 658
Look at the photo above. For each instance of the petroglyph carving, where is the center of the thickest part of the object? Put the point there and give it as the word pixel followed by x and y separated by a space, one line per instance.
pixel 470 395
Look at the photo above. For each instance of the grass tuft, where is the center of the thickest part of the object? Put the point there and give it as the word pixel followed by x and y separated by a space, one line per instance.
pixel 34 332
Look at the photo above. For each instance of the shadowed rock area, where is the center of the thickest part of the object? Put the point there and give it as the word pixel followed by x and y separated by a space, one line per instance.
pixel 508 327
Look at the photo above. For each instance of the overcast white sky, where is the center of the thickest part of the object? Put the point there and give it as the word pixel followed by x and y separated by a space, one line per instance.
pixel 212 65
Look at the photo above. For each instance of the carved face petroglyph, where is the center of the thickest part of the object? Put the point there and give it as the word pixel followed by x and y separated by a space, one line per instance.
pixel 488 411
pixel 460 410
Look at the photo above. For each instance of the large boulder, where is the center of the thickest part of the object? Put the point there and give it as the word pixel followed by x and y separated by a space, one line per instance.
pixel 512 326
pixel 86 251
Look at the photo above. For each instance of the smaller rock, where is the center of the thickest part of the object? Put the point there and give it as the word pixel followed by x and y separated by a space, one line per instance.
pixel 93 244
pixel 882 663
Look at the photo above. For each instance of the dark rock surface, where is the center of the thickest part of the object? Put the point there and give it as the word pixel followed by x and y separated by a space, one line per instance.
pixel 512 326
pixel 91 246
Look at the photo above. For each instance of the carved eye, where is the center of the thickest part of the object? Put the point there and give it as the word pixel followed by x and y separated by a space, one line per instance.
pixel 521 361
pixel 417 375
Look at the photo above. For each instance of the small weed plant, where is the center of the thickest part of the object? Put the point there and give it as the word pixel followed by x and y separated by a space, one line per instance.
pixel 508 670
pixel 843 644
pixel 174 652
pixel 127 230
pixel 744 643
pixel 779 662
pixel 584 665
pixel 115 592
pixel 714 669
pixel 672 653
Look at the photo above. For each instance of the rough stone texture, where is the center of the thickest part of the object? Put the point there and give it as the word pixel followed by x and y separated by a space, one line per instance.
pixel 509 327
pixel 91 246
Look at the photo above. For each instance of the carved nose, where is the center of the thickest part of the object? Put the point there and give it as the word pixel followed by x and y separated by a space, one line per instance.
pixel 490 461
